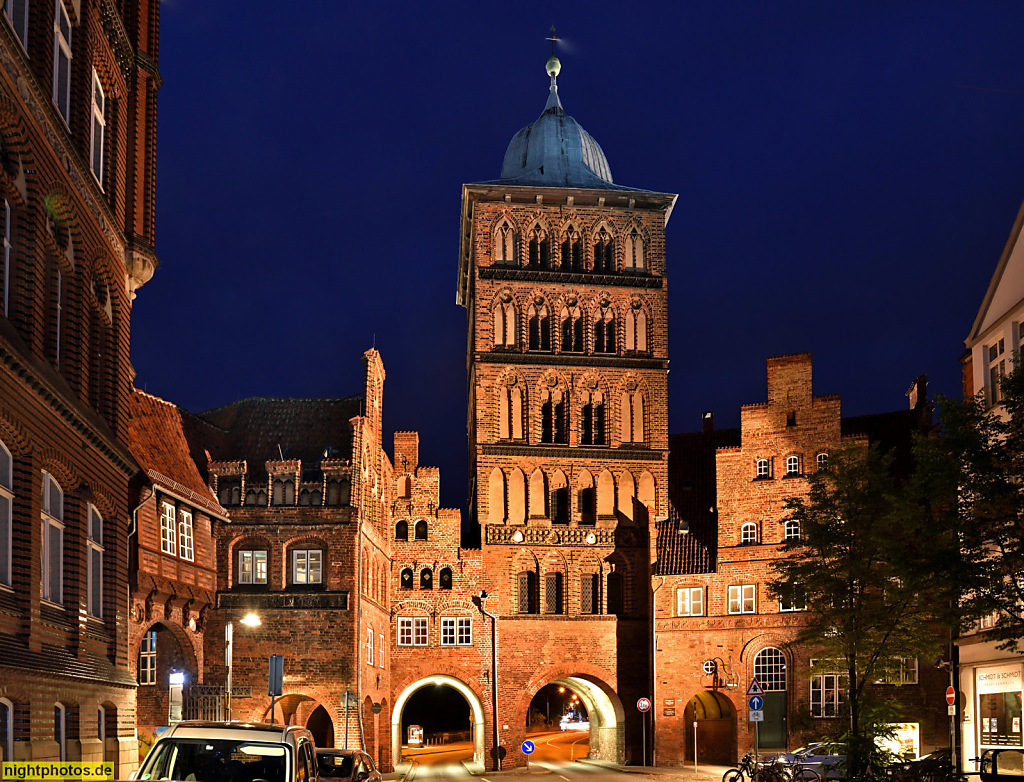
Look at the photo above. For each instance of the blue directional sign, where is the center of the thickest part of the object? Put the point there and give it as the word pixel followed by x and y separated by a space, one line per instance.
pixel 528 747
pixel 755 702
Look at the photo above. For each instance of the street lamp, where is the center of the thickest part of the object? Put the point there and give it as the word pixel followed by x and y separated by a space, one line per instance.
pixel 249 620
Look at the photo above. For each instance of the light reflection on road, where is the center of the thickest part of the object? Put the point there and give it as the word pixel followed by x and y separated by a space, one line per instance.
pixel 555 753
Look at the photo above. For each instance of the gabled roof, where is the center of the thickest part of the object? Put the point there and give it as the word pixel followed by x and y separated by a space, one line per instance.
pixel 255 429
pixel 692 499
pixel 156 438
pixel 1006 289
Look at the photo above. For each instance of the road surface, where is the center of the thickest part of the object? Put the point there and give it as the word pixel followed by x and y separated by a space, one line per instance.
pixel 555 754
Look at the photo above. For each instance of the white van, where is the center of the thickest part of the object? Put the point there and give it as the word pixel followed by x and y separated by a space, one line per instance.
pixel 231 752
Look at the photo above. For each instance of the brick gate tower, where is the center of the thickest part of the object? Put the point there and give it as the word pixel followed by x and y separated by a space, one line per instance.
pixel 562 273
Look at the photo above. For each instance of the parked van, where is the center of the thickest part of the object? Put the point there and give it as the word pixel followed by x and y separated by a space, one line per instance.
pixel 231 752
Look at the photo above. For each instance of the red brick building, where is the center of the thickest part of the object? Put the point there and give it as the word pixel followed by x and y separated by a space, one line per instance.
pixel 78 83
pixel 716 626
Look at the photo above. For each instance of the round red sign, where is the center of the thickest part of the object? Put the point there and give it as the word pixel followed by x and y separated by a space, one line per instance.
pixel 950 696
pixel 643 704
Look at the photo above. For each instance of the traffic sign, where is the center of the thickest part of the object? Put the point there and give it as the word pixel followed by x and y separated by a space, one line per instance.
pixel 643 704
pixel 528 747
pixel 755 703
pixel 756 715
pixel 754 688
pixel 950 695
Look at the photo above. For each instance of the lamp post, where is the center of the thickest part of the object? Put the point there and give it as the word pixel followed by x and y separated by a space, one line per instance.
pixel 249 620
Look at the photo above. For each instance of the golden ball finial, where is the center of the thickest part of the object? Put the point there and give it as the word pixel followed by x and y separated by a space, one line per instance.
pixel 553 67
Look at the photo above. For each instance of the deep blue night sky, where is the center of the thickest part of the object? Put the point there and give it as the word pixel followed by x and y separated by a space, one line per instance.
pixel 847 177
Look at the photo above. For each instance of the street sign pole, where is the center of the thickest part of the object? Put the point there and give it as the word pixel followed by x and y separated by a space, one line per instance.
pixel 695 746
pixel 643 737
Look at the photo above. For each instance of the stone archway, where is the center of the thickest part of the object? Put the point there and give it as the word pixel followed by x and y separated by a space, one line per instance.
pixel 321 726
pixel 715 717
pixel 607 717
pixel 476 710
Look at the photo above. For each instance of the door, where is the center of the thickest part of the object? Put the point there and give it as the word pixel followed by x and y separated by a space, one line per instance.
pixel 773 729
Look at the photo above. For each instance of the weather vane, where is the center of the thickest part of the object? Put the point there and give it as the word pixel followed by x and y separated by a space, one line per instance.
pixel 553 38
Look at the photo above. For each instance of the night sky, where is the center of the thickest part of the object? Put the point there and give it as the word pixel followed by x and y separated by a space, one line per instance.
pixel 847 174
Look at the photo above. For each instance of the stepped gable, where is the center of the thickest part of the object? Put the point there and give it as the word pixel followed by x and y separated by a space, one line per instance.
pixel 692 496
pixel 252 429
pixel 156 438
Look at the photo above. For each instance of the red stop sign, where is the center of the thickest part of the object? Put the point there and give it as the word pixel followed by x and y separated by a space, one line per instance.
pixel 950 696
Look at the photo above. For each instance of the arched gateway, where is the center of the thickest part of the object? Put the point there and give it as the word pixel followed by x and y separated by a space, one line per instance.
pixel 476 710
pixel 604 709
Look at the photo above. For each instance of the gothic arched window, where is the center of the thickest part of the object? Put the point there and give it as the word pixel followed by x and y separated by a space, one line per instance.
pixel 444 578
pixel 505 324
pixel 634 255
pixel 572 250
pixel 406 578
pixel 572 330
pixel 554 418
pixel 636 330
pixel 426 578
pixel 540 250
pixel 604 252
pixel 632 417
pixel 402 530
pixel 503 251
pixel 540 327
pixel 592 425
pixel 604 331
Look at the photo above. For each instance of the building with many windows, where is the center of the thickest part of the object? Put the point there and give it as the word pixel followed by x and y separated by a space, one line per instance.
pixel 78 84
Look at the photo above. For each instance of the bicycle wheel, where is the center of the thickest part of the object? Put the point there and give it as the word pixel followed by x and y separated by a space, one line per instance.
pixel 732 775
pixel 806 775
pixel 767 774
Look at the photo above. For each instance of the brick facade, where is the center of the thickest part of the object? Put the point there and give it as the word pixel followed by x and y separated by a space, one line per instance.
pixel 78 243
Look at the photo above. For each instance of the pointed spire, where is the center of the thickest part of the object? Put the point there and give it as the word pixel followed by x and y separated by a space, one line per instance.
pixel 553 68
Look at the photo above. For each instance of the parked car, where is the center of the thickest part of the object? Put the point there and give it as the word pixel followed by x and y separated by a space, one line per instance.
pixel 934 766
pixel 349 764
pixel 231 752
pixel 1002 765
pixel 826 758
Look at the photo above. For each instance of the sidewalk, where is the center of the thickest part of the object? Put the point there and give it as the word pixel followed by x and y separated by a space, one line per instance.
pixel 703 772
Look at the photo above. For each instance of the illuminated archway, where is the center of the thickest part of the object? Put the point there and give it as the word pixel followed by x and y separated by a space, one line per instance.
pixel 476 710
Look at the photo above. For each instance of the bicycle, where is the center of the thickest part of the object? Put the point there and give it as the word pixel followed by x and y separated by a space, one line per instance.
pixel 746 768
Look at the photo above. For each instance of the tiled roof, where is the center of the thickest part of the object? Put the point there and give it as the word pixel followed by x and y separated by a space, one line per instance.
pixel 692 498
pixel 254 429
pixel 157 440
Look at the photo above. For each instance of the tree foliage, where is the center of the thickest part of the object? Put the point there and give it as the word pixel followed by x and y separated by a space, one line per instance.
pixel 866 562
pixel 975 476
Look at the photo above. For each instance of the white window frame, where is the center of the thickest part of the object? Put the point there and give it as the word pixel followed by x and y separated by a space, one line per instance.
pixel 792 465
pixel 995 362
pixel 821 461
pixel 743 599
pixel 168 528
pixel 762 468
pixel 748 534
pixel 62 48
pixel 252 566
pixel 456 631
pixel 185 534
pixel 369 645
pixel 413 630
pixel 98 131
pixel 820 682
pixel 792 607
pixel 380 648
pixel 908 673
pixel 310 563
pixel 94 561
pixel 16 12
pixel 690 601
pixel 7 258
pixel 147 658
pixel 52 520
pixel 791 530
pixel 6 513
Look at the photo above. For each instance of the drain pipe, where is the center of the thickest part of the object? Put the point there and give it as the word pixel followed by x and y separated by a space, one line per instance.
pixel 479 600
pixel 654 671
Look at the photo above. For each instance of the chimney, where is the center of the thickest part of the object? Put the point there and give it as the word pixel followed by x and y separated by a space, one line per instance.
pixel 708 418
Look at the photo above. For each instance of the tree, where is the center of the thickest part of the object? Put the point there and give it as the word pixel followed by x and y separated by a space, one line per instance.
pixel 864 565
pixel 975 475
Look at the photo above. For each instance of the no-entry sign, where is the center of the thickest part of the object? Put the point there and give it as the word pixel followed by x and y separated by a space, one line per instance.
pixel 643 704
pixel 950 695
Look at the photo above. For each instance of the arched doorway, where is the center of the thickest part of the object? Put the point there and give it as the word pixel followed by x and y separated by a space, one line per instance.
pixel 164 652
pixel 770 672
pixel 476 713
pixel 603 709
pixel 715 717
pixel 321 726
